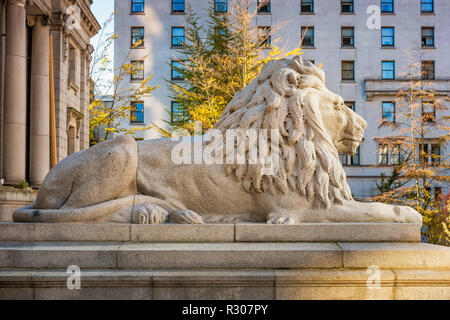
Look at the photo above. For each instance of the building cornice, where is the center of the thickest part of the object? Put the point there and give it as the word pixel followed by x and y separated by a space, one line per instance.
pixel 87 17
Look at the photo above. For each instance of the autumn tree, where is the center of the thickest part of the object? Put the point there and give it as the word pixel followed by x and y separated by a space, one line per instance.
pixel 112 97
pixel 220 58
pixel 421 169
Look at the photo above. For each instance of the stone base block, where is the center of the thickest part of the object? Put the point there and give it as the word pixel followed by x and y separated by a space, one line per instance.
pixel 229 233
pixel 235 262
pixel 12 199
pixel 226 284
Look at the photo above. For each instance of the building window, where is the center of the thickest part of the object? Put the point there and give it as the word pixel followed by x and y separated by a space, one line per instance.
pixel 430 154
pixel 137 6
pixel 387 37
pixel 348 70
pixel 351 105
pixel 307 36
pixel 178 6
pixel 426 6
pixel 396 155
pixel 428 112
pixel 354 160
pixel 137 37
pixel 220 5
pixel 428 70
pixel 263 6
pixel 388 112
pixel 177 113
pixel 137 70
pixel 348 36
pixel 307 6
pixel 72 64
pixel 177 36
pixel 383 154
pixel 387 6
pixel 388 70
pixel 264 34
pixel 438 194
pixel 137 112
pixel 177 71
pixel 347 6
pixel 428 37
pixel 435 154
pixel 389 154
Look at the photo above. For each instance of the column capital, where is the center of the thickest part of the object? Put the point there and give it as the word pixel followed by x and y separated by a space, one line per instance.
pixel 19 2
pixel 33 20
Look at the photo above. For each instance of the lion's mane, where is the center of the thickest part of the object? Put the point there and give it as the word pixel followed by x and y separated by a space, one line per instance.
pixel 281 98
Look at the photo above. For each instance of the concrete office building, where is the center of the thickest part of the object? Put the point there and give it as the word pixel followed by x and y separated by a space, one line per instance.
pixel 363 62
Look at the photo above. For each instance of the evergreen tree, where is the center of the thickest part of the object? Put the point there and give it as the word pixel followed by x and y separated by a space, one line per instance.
pixel 217 66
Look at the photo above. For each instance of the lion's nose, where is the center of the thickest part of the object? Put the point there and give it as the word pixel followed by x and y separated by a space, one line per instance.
pixel 361 122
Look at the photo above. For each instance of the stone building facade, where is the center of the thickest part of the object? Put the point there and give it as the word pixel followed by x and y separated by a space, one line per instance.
pixel 341 35
pixel 25 148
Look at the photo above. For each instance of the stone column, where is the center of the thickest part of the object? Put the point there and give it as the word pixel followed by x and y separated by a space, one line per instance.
pixel 40 103
pixel 15 93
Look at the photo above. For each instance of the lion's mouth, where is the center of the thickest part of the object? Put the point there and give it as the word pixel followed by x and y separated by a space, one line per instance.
pixel 350 140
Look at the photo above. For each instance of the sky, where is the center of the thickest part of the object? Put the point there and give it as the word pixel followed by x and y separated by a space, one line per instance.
pixel 102 10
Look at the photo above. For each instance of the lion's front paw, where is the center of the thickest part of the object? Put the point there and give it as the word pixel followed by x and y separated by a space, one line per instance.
pixel 406 215
pixel 185 217
pixel 275 218
pixel 149 214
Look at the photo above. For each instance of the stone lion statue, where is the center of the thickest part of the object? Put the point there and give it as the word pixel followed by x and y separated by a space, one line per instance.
pixel 124 181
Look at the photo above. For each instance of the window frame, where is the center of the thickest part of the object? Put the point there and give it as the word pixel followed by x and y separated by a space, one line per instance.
pixel 218 2
pixel 133 76
pixel 427 72
pixel 142 45
pixel 348 70
pixel 303 31
pixel 304 4
pixel 265 3
pixel 133 104
pixel 352 37
pixel 394 112
pixel 141 2
pixel 393 37
pixel 172 37
pixel 383 154
pixel 383 62
pixel 172 70
pixel 266 41
pixel 347 2
pixel 429 120
pixel 428 3
pixel 424 45
pixel 172 120
pixel 172 11
pixel 386 2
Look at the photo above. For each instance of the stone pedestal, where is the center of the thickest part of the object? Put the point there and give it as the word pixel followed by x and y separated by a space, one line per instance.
pixel 12 199
pixel 254 262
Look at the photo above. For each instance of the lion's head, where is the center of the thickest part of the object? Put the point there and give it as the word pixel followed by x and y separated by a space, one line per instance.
pixel 315 127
